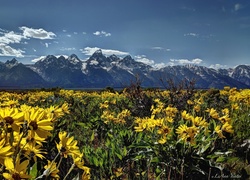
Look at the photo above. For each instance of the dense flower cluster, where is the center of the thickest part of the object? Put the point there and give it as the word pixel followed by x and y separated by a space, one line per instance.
pixel 131 134
pixel 25 130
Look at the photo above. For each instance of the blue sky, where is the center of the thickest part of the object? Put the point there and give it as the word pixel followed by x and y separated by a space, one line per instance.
pixel 212 33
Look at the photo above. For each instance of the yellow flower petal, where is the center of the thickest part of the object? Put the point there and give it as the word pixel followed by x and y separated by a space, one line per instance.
pixel 8 162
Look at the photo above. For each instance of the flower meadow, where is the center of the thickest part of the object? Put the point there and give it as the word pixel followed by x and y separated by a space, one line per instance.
pixel 134 133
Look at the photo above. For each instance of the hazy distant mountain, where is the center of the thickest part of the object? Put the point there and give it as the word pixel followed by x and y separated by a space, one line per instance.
pixel 15 75
pixel 100 71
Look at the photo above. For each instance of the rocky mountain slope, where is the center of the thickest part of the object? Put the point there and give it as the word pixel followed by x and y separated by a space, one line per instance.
pixel 100 71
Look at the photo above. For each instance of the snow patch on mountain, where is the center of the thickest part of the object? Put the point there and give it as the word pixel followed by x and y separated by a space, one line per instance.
pixel 94 62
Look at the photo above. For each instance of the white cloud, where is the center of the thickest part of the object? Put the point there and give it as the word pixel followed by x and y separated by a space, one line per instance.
pixel 192 34
pixel 11 37
pixel 102 33
pixel 159 65
pixel 68 49
pixel 90 50
pixel 69 35
pixel 84 33
pixel 144 59
pixel 6 50
pixel 38 59
pixel 157 48
pixel 37 33
pixel 237 7
pixel 185 61
pixel 217 66
pixel 46 45
pixel 160 48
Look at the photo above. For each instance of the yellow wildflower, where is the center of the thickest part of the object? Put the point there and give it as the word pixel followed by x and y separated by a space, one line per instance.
pixel 11 117
pixel 227 128
pixel 225 119
pixel 78 161
pixel 197 108
pixel 235 106
pixel 32 151
pixel 67 145
pixel 219 131
pixel 16 170
pixel 186 133
pixel 51 170
pixel 86 174
pixel 162 140
pixel 171 111
pixel 5 150
pixel 213 113
pixel 164 130
pixel 186 115
pixel 199 122
pixel 39 123
pixel 32 139
pixel 190 102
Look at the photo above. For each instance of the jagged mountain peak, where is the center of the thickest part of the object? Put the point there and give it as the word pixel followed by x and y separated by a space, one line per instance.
pixel 97 54
pixel 73 56
pixel 99 51
pixel 113 57
pixel 128 57
pixel 73 59
pixel 50 57
pixel 98 58
pixel 101 71
pixel 11 63
pixel 242 67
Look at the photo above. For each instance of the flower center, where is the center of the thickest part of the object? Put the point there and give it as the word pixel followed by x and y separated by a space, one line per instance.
pixel 34 125
pixel 166 130
pixel 16 176
pixel 63 149
pixel 9 120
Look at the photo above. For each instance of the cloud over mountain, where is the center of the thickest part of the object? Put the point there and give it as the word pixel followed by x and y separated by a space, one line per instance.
pixel 90 50
pixel 185 61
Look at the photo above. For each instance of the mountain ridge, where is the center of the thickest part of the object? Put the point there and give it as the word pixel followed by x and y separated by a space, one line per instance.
pixel 100 71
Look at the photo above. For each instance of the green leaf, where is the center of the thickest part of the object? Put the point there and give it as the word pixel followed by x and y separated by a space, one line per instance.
pixel 119 156
pixel 155 160
pixel 81 124
pixel 92 136
pixel 110 135
pixel 220 159
pixel 107 143
pixel 125 151
pixel 204 148
pixel 33 171
pixel 95 161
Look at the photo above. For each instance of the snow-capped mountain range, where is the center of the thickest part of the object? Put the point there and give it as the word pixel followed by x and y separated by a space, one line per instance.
pixel 100 71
